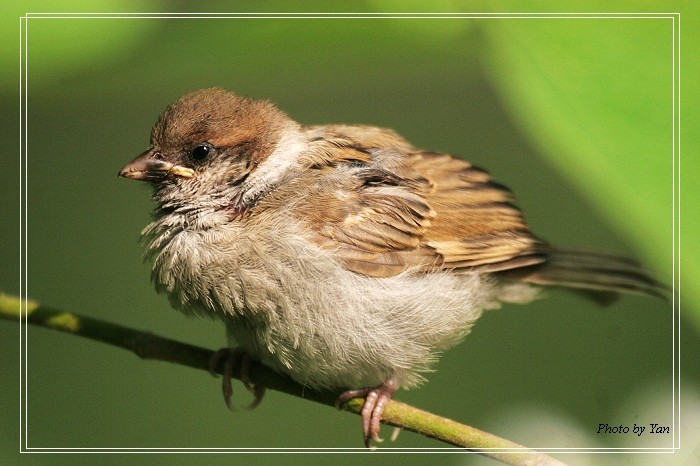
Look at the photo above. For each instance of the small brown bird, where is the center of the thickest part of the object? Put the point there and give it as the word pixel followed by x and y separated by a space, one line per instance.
pixel 339 255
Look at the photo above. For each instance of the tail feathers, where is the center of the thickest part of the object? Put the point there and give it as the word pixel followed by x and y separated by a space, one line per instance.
pixel 598 276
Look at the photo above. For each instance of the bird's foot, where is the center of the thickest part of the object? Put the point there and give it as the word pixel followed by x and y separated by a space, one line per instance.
pixel 235 358
pixel 375 400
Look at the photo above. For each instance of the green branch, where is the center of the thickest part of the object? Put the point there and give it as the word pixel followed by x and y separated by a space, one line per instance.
pixel 149 346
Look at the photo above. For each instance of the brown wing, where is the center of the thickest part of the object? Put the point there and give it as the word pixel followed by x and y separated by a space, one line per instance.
pixel 384 207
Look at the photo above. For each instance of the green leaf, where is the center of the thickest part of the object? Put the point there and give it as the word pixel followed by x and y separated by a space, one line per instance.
pixel 596 95
pixel 72 43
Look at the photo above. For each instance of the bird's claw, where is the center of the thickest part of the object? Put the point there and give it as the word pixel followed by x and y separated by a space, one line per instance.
pixel 375 401
pixel 232 358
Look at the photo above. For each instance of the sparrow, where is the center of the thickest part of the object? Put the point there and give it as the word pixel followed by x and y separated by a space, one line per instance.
pixel 339 255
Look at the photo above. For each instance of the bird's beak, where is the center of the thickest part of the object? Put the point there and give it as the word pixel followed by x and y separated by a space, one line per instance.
pixel 150 166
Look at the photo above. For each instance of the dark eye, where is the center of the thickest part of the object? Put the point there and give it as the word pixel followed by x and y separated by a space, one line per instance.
pixel 202 151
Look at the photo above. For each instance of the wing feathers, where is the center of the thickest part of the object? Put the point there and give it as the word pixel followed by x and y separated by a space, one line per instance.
pixel 388 207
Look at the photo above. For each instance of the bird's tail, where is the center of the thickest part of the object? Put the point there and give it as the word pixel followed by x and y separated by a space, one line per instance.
pixel 599 276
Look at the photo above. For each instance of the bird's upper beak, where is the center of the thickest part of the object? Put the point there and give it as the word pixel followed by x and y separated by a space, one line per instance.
pixel 150 166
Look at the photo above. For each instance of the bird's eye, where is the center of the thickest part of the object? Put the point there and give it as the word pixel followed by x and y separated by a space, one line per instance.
pixel 201 152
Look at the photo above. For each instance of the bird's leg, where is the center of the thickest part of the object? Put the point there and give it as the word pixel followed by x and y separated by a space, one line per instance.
pixel 375 400
pixel 235 357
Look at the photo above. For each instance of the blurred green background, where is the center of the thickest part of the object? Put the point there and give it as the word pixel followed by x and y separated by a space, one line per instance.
pixel 575 115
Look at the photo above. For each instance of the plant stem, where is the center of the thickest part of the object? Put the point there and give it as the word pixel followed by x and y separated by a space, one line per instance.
pixel 150 346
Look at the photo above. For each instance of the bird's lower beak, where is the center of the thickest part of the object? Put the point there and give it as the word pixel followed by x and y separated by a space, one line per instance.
pixel 149 166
